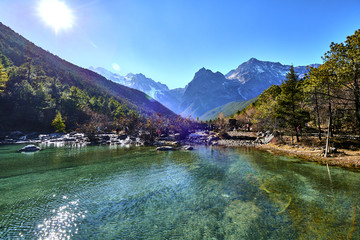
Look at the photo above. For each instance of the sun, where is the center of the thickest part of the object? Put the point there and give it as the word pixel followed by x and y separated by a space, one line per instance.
pixel 56 14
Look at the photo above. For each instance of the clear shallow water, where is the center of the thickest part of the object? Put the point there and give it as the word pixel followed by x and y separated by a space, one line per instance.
pixel 104 192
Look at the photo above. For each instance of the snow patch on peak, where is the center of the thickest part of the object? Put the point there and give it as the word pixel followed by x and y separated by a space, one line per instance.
pixel 240 93
pixel 259 69
pixel 283 73
pixel 152 92
pixel 232 76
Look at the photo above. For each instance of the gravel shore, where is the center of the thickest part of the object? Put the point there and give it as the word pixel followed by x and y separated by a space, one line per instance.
pixel 342 158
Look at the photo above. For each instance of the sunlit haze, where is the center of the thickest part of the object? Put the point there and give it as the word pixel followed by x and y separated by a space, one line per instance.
pixel 56 14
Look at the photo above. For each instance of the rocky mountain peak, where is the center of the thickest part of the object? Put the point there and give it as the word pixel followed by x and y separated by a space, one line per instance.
pixel 253 60
pixel 209 89
pixel 203 71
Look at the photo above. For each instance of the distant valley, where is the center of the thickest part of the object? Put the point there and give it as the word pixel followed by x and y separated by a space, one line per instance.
pixel 208 93
pixel 156 90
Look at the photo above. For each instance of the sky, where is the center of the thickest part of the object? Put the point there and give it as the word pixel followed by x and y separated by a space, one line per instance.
pixel 170 40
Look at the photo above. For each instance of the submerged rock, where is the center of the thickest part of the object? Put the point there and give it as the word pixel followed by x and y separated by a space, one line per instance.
pixel 187 148
pixel 239 217
pixel 30 148
pixel 165 148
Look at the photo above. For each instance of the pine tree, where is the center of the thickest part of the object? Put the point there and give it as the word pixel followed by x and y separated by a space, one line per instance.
pixel 290 103
pixel 323 83
pixel 344 58
pixel 58 123
pixel 314 91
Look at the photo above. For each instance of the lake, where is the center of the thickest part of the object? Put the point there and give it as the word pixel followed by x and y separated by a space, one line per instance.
pixel 111 192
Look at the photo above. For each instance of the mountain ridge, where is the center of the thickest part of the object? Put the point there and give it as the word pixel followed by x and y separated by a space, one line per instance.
pixel 206 91
pixel 139 81
pixel 209 90
pixel 32 67
pixel 256 75
pixel 245 82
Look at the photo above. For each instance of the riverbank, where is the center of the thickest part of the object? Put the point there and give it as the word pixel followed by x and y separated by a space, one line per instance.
pixel 343 158
pixel 310 149
pixel 71 138
pixel 346 154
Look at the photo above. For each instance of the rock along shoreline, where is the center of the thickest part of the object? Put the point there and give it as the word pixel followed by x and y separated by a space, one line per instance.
pixel 263 141
pixel 162 142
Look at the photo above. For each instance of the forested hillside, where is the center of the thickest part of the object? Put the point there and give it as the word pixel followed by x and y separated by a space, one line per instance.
pixel 327 99
pixel 35 85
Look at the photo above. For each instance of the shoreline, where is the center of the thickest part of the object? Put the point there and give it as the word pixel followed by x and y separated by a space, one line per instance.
pixel 345 158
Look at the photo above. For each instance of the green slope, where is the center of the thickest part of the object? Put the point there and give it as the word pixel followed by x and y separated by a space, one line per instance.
pixel 227 109
pixel 40 84
pixel 22 52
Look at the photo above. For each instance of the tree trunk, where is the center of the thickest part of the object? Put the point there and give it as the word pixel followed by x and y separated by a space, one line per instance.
pixel 296 125
pixel 318 114
pixel 329 124
pixel 297 134
pixel 328 137
pixel 357 100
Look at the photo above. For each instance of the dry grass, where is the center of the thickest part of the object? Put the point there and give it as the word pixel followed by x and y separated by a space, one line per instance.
pixel 310 148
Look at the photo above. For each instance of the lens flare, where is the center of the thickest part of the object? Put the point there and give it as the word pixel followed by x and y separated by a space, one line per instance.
pixel 115 66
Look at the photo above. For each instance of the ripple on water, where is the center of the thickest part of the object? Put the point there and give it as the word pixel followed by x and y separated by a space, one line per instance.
pixel 59 218
pixel 63 221
pixel 100 193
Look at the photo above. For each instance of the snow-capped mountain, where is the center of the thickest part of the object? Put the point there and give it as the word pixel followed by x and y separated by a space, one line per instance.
pixel 255 76
pixel 209 90
pixel 156 90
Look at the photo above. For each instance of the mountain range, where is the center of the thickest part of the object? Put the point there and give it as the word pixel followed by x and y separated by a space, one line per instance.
pixel 155 90
pixel 40 84
pixel 20 51
pixel 43 78
pixel 255 76
pixel 208 91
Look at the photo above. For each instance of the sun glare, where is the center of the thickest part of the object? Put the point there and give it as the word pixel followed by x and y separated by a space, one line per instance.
pixel 56 14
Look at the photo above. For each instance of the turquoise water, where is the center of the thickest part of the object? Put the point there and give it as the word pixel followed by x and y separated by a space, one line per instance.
pixel 104 192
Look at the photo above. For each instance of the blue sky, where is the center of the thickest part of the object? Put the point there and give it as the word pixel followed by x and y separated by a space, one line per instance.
pixel 170 40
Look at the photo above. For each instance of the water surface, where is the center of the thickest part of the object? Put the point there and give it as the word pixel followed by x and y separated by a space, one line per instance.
pixel 109 192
